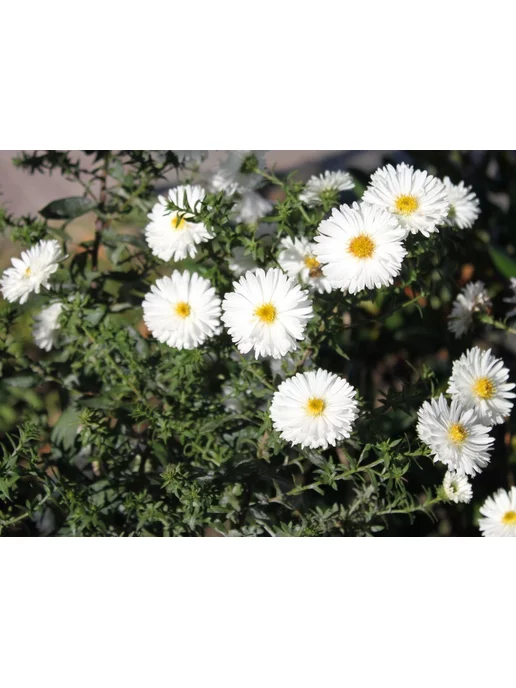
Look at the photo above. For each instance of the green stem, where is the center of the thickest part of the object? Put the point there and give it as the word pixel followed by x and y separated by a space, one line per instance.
pixel 411 509
pixel 498 324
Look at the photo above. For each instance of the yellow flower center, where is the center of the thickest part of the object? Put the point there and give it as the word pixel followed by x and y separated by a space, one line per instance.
pixel 177 222
pixel 314 267
pixel 362 246
pixel 484 388
pixel 311 263
pixel 267 313
pixel 457 433
pixel 406 205
pixel 28 272
pixel 315 406
pixel 509 518
pixel 183 309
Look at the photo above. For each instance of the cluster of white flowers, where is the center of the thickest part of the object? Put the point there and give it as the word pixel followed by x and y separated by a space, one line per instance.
pixel 267 312
pixel 458 433
pixel 28 275
pixel 398 202
pixel 358 247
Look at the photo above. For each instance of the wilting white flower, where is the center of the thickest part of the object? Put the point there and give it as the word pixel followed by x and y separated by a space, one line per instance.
pixel 174 235
pixel 499 514
pixel 251 207
pixel 31 271
pixel 240 263
pixel 46 326
pixel 266 312
pixel 480 381
pixel 512 299
pixel 298 259
pixel 418 200
pixel 235 173
pixel 320 187
pixel 360 246
pixel 472 299
pixel 464 205
pixel 455 435
pixel 314 409
pixel 182 310
pixel 457 488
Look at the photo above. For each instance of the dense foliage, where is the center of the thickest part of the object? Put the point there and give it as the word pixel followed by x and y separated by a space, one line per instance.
pixel 115 433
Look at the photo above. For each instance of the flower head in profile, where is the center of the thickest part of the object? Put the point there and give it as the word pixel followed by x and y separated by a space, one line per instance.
pixel 480 381
pixel 360 247
pixel 182 310
pixel 46 326
pixel 455 436
pixel 31 271
pixel 472 299
pixel 298 259
pixel 314 409
pixel 325 187
pixel 512 299
pixel 237 172
pixel 418 200
pixel 174 235
pixel 464 206
pixel 499 514
pixel 266 312
pixel 457 488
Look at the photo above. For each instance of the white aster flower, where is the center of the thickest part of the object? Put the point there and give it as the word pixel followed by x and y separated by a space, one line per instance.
pixel 326 185
pixel 512 299
pixel 240 263
pixel 464 205
pixel 31 271
pixel 174 235
pixel 267 312
pixel 499 512
pixel 472 299
pixel 252 207
pixel 314 409
pixel 480 381
pixel 298 259
pixel 455 435
pixel 236 172
pixel 46 326
pixel 182 310
pixel 457 488
pixel 418 200
pixel 360 246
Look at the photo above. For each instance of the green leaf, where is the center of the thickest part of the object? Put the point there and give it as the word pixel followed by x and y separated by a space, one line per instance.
pixel 67 208
pixel 506 266
pixel 65 430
